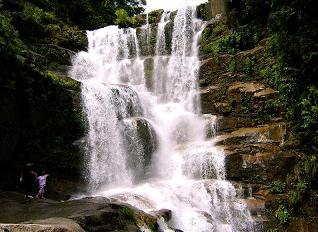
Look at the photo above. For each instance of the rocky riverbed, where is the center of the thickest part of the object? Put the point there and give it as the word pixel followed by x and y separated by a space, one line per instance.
pixel 86 214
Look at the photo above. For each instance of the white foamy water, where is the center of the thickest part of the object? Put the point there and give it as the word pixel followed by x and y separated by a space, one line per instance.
pixel 147 146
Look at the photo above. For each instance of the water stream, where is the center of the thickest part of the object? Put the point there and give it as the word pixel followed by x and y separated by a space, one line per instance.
pixel 146 141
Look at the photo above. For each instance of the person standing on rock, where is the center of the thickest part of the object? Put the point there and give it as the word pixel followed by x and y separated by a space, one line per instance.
pixel 42 183
pixel 28 180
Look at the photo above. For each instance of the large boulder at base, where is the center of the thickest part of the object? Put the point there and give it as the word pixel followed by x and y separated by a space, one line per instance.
pixel 91 214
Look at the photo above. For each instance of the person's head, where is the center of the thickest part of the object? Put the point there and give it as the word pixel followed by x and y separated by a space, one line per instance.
pixel 43 172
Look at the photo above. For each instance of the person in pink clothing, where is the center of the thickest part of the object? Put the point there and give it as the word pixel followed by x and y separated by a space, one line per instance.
pixel 42 183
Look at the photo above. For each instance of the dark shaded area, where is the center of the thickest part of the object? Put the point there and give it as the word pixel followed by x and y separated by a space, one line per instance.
pixel 40 119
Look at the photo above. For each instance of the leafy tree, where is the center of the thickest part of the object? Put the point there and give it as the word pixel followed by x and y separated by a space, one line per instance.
pixel 123 18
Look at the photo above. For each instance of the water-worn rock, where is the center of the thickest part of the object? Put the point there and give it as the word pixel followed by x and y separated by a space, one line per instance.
pixel 91 214
pixel 255 154
pixel 255 206
pixel 268 133
pixel 48 225
pixel 140 140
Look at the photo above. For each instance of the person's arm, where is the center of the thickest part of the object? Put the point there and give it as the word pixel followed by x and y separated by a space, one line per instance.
pixel 35 176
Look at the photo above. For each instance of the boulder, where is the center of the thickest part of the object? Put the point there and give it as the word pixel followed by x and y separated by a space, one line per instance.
pixel 148 138
pixel 140 141
pixel 91 214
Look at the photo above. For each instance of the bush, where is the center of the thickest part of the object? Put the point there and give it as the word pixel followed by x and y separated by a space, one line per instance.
pixel 9 39
pixel 294 197
pixel 282 215
pixel 278 187
pixel 122 18
pixel 309 117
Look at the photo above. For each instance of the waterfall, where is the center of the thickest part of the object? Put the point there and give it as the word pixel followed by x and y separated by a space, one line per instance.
pixel 148 146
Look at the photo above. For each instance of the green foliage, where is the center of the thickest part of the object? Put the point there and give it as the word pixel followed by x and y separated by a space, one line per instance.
pixel 138 20
pixel 220 38
pixel 246 66
pixel 154 16
pixel 64 82
pixel 125 216
pixel 9 38
pixel 311 168
pixel 148 73
pixel 294 33
pixel 250 18
pixel 210 38
pixel 67 37
pixel 303 179
pixel 278 187
pixel 282 215
pixel 273 230
pixel 122 18
pixel 308 125
pixel 38 15
pixel 296 195
pixel 249 66
pixel 229 43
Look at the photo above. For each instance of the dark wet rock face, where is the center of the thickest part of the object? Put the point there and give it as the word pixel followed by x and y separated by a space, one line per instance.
pixel 141 142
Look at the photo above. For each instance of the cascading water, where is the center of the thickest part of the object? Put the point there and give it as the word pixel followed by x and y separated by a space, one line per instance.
pixel 147 146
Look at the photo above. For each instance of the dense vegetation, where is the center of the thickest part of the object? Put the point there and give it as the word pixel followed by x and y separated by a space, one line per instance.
pixel 39 105
pixel 292 29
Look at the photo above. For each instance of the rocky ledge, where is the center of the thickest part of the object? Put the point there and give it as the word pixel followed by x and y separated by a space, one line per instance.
pixel 87 214
pixel 250 126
